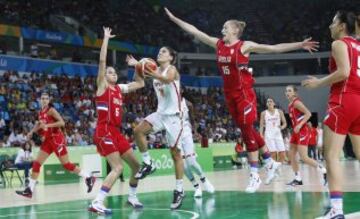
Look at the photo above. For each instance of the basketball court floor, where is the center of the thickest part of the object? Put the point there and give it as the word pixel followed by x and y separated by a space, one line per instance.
pixel 275 201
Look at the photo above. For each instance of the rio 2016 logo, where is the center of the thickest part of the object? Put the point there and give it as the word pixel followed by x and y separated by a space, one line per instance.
pixel 164 162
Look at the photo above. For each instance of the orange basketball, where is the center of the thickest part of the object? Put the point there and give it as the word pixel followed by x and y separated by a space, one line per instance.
pixel 145 65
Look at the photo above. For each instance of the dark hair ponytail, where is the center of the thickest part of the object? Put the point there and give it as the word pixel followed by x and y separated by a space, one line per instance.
pixel 173 53
pixel 349 19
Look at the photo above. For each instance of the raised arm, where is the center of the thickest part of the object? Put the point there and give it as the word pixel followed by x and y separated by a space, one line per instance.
pixel 340 54
pixel 137 83
pixel 191 29
pixel 283 120
pixel 262 123
pixel 250 47
pixel 103 54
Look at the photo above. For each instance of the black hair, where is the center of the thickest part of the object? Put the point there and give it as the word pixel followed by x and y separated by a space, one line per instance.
pixel 349 19
pixel 173 53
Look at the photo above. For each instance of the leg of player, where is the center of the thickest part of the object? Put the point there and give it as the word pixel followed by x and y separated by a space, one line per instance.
pixel 294 165
pixel 198 170
pixel 89 179
pixel 271 166
pixel 130 159
pixel 179 193
pixel 303 152
pixel 333 144
pixel 355 140
pixel 97 205
pixel 191 178
pixel 40 159
pixel 140 132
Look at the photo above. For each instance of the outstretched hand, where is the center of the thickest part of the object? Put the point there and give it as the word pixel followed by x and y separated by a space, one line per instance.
pixel 107 32
pixel 130 60
pixel 311 82
pixel 310 45
pixel 169 14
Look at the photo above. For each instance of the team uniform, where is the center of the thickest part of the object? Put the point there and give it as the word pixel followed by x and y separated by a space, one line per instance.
pixel 107 137
pixel 303 136
pixel 238 90
pixel 343 113
pixel 187 142
pixel 168 115
pixel 273 136
pixel 53 138
pixel 189 155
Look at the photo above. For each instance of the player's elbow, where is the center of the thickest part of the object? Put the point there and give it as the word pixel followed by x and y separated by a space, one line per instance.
pixel 62 123
pixel 344 73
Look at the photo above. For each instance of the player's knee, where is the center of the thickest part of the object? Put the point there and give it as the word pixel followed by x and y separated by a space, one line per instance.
pixel 36 167
pixel 69 166
pixel 117 169
pixel 191 160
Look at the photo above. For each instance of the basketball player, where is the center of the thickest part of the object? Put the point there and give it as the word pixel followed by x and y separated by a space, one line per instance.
pixel 233 59
pixel 274 121
pixel 343 116
pixel 53 140
pixel 299 141
pixel 189 155
pixel 110 143
pixel 168 117
pixel 313 139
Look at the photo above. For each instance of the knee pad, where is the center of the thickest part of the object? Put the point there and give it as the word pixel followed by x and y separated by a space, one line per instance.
pixel 248 137
pixel 36 167
pixel 69 166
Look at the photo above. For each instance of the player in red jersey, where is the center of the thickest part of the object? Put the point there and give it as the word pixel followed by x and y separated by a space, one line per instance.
pixel 53 140
pixel 109 141
pixel 233 59
pixel 299 141
pixel 343 116
pixel 313 139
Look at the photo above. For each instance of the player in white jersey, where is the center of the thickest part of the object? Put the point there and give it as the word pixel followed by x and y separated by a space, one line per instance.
pixel 168 117
pixel 189 155
pixel 274 121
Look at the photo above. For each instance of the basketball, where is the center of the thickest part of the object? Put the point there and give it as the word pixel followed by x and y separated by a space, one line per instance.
pixel 144 65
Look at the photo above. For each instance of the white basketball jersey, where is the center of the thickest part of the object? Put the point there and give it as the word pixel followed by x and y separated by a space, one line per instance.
pixel 185 111
pixel 272 123
pixel 168 96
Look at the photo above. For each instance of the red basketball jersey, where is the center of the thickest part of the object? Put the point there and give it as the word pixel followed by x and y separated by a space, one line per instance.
pixel 352 83
pixel 233 66
pixel 109 107
pixel 47 119
pixel 295 115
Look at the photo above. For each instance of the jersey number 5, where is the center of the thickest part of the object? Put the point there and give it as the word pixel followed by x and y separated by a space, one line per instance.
pixel 226 70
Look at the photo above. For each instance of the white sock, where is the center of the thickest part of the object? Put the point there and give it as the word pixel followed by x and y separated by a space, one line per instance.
pixel 297 176
pixel 268 162
pixel 102 195
pixel 179 185
pixel 132 191
pixel 32 184
pixel 146 157
pixel 337 203
pixel 321 169
pixel 84 174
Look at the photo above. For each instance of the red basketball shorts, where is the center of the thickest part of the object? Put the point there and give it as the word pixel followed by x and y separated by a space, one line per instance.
pixel 302 137
pixel 108 139
pixel 344 118
pixel 242 106
pixel 55 143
